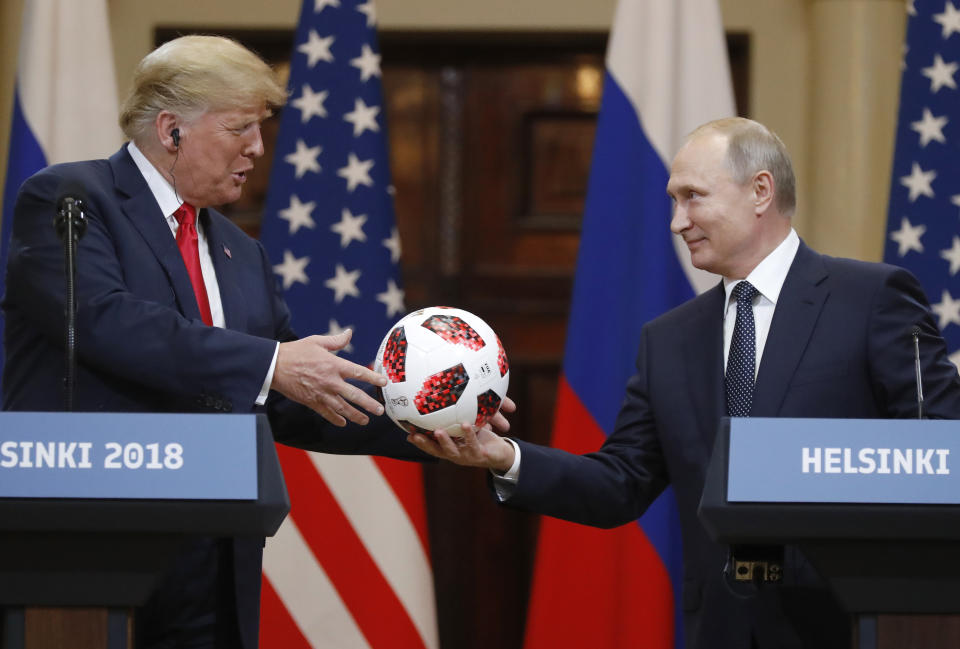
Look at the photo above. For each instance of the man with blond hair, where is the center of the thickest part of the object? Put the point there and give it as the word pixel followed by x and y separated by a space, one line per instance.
pixel 786 333
pixel 178 310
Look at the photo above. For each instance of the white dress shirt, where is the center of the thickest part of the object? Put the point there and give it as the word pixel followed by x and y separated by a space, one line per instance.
pixel 169 202
pixel 767 278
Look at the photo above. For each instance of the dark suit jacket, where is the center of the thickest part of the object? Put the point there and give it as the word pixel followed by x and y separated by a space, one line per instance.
pixel 839 346
pixel 142 346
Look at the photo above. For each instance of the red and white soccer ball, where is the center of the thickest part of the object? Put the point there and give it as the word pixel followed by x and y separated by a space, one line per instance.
pixel 443 366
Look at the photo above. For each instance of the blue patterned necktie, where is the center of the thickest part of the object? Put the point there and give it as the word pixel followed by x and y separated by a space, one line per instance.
pixel 741 361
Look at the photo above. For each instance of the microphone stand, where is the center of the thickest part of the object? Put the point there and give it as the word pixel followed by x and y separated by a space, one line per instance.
pixel 71 225
pixel 916 357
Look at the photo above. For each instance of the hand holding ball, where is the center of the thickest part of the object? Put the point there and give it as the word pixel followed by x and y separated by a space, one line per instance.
pixel 443 366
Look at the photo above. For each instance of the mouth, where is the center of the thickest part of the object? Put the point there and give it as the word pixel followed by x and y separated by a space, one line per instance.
pixel 240 177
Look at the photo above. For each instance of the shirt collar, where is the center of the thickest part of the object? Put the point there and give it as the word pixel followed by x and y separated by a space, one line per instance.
pixel 163 191
pixel 769 275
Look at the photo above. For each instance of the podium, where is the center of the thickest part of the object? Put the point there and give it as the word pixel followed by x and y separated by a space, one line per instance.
pixel 873 504
pixel 93 507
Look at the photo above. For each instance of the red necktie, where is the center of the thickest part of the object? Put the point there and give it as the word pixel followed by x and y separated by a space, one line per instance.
pixel 187 241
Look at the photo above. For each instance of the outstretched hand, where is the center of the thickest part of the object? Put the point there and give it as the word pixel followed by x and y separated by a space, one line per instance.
pixel 479 447
pixel 309 372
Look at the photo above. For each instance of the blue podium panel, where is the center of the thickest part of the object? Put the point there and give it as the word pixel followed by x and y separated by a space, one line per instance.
pixel 93 506
pixel 128 456
pixel 843 461
pixel 872 504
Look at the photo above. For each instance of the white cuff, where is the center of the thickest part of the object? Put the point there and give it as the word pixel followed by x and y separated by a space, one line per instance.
pixel 265 390
pixel 504 484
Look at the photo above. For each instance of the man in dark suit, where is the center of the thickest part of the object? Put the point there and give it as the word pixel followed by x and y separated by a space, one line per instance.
pixel 812 336
pixel 178 310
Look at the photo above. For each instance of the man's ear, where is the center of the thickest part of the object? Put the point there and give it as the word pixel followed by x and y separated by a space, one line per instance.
pixel 164 126
pixel 763 191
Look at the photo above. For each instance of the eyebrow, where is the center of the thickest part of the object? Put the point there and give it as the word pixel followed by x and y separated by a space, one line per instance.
pixel 676 189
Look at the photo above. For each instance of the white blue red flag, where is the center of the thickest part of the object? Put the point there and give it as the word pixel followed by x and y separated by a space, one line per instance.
pixel 667 73
pixel 349 567
pixel 923 221
pixel 65 97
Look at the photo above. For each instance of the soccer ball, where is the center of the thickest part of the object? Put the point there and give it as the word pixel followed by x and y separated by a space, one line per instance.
pixel 443 366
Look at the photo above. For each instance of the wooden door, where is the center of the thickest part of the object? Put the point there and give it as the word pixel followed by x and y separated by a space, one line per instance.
pixel 491 146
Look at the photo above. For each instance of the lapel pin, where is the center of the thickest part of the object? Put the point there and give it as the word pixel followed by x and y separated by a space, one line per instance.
pixel 226 251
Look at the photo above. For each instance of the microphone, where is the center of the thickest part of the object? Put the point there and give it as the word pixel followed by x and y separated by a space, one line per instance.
pixel 915 332
pixel 70 224
pixel 71 202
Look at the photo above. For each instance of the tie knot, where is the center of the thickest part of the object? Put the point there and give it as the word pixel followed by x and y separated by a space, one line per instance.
pixel 186 213
pixel 744 292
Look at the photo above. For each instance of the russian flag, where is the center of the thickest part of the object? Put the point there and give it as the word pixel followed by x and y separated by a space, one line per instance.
pixel 65 98
pixel 667 73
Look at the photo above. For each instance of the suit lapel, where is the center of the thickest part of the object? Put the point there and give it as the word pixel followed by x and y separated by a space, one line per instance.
pixel 141 208
pixel 798 308
pixel 231 295
pixel 703 360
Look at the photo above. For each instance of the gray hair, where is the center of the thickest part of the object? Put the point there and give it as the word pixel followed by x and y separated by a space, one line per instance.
pixel 752 147
pixel 191 75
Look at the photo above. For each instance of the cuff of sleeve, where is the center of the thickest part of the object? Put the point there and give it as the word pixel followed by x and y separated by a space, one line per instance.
pixel 504 484
pixel 267 382
pixel 513 473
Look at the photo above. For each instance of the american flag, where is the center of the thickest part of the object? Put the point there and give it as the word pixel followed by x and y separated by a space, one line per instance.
pixel 923 222
pixel 349 567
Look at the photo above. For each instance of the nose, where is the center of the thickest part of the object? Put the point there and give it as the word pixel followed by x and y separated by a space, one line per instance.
pixel 254 146
pixel 679 221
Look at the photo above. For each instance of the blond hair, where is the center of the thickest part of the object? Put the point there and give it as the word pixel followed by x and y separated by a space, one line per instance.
pixel 752 147
pixel 191 75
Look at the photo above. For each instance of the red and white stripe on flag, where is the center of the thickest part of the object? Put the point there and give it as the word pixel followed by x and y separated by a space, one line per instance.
pixel 349 568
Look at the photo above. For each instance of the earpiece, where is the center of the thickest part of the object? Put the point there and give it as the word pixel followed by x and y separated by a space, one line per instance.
pixel 175 134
